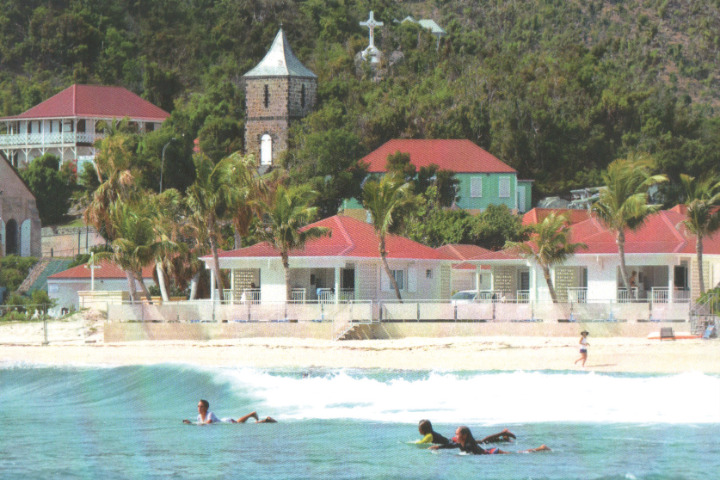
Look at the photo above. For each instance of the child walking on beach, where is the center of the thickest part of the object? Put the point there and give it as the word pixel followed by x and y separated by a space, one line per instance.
pixel 583 347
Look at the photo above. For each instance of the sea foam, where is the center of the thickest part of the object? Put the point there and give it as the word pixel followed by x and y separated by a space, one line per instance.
pixel 483 398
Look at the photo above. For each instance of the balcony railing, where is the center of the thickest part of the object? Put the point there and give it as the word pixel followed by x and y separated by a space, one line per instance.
pixel 624 295
pixel 577 294
pixel 48 138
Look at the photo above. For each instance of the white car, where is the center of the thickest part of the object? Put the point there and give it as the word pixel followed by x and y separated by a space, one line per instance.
pixel 464 296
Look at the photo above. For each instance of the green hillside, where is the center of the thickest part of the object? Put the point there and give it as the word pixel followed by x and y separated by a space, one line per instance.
pixel 555 88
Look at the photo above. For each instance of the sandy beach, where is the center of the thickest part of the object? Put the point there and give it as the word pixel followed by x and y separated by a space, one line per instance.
pixel 80 342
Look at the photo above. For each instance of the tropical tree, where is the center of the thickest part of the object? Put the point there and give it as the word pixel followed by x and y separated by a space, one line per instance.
pixel 214 197
pixel 549 245
pixel 383 199
pixel 622 203
pixel 136 242
pixel 702 197
pixel 167 216
pixel 284 223
pixel 113 165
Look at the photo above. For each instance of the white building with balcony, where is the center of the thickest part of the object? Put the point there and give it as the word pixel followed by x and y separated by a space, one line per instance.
pixel 68 124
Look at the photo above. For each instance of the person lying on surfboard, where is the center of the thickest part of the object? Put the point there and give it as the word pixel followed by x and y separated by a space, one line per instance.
pixel 431 436
pixel 467 443
pixel 207 417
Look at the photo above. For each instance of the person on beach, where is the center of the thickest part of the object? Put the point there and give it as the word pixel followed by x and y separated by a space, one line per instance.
pixel 467 443
pixel 206 417
pixel 583 347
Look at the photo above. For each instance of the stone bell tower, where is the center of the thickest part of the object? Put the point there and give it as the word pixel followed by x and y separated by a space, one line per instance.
pixel 278 91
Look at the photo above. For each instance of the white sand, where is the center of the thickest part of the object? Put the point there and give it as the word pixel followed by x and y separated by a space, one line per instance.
pixel 80 342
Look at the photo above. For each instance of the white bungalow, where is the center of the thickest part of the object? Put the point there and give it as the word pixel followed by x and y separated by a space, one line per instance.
pixel 68 124
pixel 465 276
pixel 343 267
pixel 661 254
pixel 70 288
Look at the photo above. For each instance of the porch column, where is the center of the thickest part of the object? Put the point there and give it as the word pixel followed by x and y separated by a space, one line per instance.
pixel 533 284
pixel 478 274
pixel 212 284
pixel 232 285
pixel 337 285
pixel 671 284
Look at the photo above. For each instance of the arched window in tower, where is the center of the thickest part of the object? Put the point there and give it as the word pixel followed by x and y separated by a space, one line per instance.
pixel 302 96
pixel 267 96
pixel 266 150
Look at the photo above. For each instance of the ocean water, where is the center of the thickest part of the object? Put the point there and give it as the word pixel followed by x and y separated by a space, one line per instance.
pixel 99 422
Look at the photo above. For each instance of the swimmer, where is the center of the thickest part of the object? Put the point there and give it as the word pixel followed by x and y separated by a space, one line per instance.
pixel 504 436
pixel 206 417
pixel 429 435
pixel 467 443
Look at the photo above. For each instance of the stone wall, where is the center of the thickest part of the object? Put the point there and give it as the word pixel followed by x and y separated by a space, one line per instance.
pixel 69 241
pixel 284 104
pixel 17 205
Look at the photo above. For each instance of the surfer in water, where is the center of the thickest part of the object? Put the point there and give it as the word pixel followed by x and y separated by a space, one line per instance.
pixel 467 443
pixel 431 436
pixel 205 416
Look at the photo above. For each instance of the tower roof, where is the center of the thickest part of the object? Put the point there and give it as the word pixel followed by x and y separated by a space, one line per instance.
pixel 280 61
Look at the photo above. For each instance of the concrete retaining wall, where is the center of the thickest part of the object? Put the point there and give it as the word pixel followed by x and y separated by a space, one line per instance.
pixel 135 331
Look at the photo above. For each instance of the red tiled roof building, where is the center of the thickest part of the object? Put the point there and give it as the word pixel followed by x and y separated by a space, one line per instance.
pixel 67 124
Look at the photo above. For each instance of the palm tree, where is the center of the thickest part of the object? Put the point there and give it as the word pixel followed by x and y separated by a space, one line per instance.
pixel 214 197
pixel 383 199
pixel 284 221
pixel 548 245
pixel 167 216
pixel 703 217
pixel 623 202
pixel 117 182
pixel 136 244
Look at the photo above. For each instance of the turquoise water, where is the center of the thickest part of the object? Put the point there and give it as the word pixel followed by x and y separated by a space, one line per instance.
pixel 79 422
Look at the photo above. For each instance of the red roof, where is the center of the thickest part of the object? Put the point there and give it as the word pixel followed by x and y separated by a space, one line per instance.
pixel 662 232
pixel 464 252
pixel 350 238
pixel 107 270
pixel 96 101
pixel 537 215
pixel 460 156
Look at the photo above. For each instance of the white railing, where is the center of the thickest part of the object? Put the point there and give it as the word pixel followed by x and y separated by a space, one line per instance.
pixel 624 295
pixel 660 294
pixel 298 295
pixel 345 313
pixel 327 295
pixel 48 138
pixel 577 294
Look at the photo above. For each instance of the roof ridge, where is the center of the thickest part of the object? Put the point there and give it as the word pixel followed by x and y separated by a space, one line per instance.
pixel 345 234
pixel 674 230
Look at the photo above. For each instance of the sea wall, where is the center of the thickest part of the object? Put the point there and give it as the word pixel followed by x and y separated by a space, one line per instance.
pixel 137 331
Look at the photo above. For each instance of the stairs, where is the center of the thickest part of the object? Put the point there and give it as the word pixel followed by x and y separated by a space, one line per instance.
pixel 37 277
pixel 363 331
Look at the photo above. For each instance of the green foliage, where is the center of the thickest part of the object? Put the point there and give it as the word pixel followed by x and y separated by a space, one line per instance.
pixel 14 269
pixel 52 188
pixel 557 90
pixel 497 225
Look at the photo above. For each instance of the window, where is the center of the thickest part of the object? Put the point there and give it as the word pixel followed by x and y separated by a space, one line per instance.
pixel 476 187
pixel 399 278
pixel 266 150
pixel 302 96
pixel 504 187
pixel 267 96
